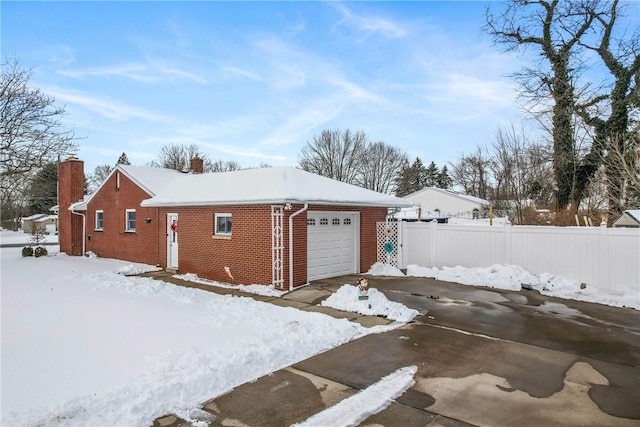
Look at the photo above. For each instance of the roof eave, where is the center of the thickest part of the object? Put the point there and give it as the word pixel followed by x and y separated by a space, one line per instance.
pixel 151 203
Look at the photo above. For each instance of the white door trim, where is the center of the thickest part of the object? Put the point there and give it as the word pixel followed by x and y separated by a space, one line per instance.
pixel 172 242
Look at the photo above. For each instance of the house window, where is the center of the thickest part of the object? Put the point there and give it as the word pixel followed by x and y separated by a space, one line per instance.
pixel 99 220
pixel 311 221
pixel 223 224
pixel 335 221
pixel 130 220
pixel 324 221
pixel 476 213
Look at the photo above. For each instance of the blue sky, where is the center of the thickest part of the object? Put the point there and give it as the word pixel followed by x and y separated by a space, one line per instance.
pixel 254 81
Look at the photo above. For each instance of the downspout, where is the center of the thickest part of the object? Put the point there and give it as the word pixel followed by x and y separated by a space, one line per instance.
pixel 84 230
pixel 306 206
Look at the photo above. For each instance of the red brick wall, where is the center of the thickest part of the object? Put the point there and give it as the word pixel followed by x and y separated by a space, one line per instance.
pixel 247 252
pixel 71 190
pixel 113 241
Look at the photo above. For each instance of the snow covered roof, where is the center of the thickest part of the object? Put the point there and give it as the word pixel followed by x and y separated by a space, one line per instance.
pixel 283 184
pixel 32 217
pixel 46 218
pixel 629 217
pixel 635 213
pixel 452 193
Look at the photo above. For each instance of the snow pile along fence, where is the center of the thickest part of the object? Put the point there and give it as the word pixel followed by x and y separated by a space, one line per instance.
pixel 605 258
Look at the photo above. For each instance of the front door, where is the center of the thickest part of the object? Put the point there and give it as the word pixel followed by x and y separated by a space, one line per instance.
pixel 172 241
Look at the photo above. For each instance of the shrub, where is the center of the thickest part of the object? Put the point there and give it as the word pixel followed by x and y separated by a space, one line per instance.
pixel 40 251
pixel 27 251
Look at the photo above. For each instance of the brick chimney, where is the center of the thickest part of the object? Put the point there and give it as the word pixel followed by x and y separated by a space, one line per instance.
pixel 197 165
pixel 70 190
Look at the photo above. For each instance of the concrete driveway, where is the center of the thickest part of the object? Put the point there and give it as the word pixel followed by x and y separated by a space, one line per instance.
pixel 485 357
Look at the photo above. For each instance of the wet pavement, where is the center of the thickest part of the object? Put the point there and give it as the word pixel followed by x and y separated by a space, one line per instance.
pixel 485 357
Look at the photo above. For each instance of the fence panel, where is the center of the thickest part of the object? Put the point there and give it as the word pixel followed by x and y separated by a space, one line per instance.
pixel 605 258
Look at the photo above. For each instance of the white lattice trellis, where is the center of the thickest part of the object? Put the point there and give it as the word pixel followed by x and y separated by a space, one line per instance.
pixel 277 246
pixel 387 232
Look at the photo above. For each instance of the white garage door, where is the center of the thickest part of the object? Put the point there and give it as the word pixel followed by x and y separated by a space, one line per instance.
pixel 332 244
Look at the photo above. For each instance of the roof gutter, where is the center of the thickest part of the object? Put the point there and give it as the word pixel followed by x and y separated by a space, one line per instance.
pixel 150 203
pixel 306 206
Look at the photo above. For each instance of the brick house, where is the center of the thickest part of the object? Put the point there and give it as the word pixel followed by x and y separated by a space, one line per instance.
pixel 249 222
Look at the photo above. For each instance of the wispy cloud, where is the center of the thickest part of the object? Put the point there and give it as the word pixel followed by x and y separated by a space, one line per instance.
pixel 239 72
pixel 110 109
pixel 133 71
pixel 370 24
pixel 149 71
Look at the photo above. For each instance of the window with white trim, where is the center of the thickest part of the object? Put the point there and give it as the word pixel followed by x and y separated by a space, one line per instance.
pixel 99 220
pixel 130 220
pixel 222 224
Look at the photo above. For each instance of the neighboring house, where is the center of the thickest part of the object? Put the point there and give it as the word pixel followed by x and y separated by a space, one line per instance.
pixel 279 225
pixel 629 218
pixel 29 222
pixel 48 224
pixel 449 203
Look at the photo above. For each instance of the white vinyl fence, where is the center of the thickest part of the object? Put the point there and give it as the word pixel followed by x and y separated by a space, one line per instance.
pixel 606 258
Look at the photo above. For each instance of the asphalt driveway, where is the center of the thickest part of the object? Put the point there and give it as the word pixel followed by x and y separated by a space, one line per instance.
pixel 485 357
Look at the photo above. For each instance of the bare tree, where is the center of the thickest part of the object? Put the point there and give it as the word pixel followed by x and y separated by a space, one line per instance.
pixel 178 157
pixel 221 166
pixel 31 127
pixel 472 173
pixel 568 36
pixel 13 200
pixel 608 107
pixel 554 28
pixel 99 174
pixel 626 162
pixel 380 166
pixel 31 135
pixel 335 154
pixel 515 163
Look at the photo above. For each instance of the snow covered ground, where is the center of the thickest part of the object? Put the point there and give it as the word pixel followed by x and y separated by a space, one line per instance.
pixel 513 277
pixel 83 344
pixel 18 237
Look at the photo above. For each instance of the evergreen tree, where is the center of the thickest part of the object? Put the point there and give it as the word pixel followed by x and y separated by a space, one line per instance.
pixel 411 178
pixel 432 174
pixel 43 189
pixel 403 180
pixel 444 180
pixel 418 175
pixel 123 159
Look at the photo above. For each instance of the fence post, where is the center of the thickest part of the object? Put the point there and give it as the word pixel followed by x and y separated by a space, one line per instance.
pixel 400 248
pixel 433 247
pixel 507 245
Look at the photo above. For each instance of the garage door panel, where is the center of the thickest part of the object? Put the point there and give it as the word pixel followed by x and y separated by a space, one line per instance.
pixel 331 244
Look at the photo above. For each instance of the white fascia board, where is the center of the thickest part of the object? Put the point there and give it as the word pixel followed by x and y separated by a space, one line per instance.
pixel 152 203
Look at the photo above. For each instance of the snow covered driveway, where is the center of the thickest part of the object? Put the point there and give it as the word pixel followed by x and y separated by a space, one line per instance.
pixel 83 344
